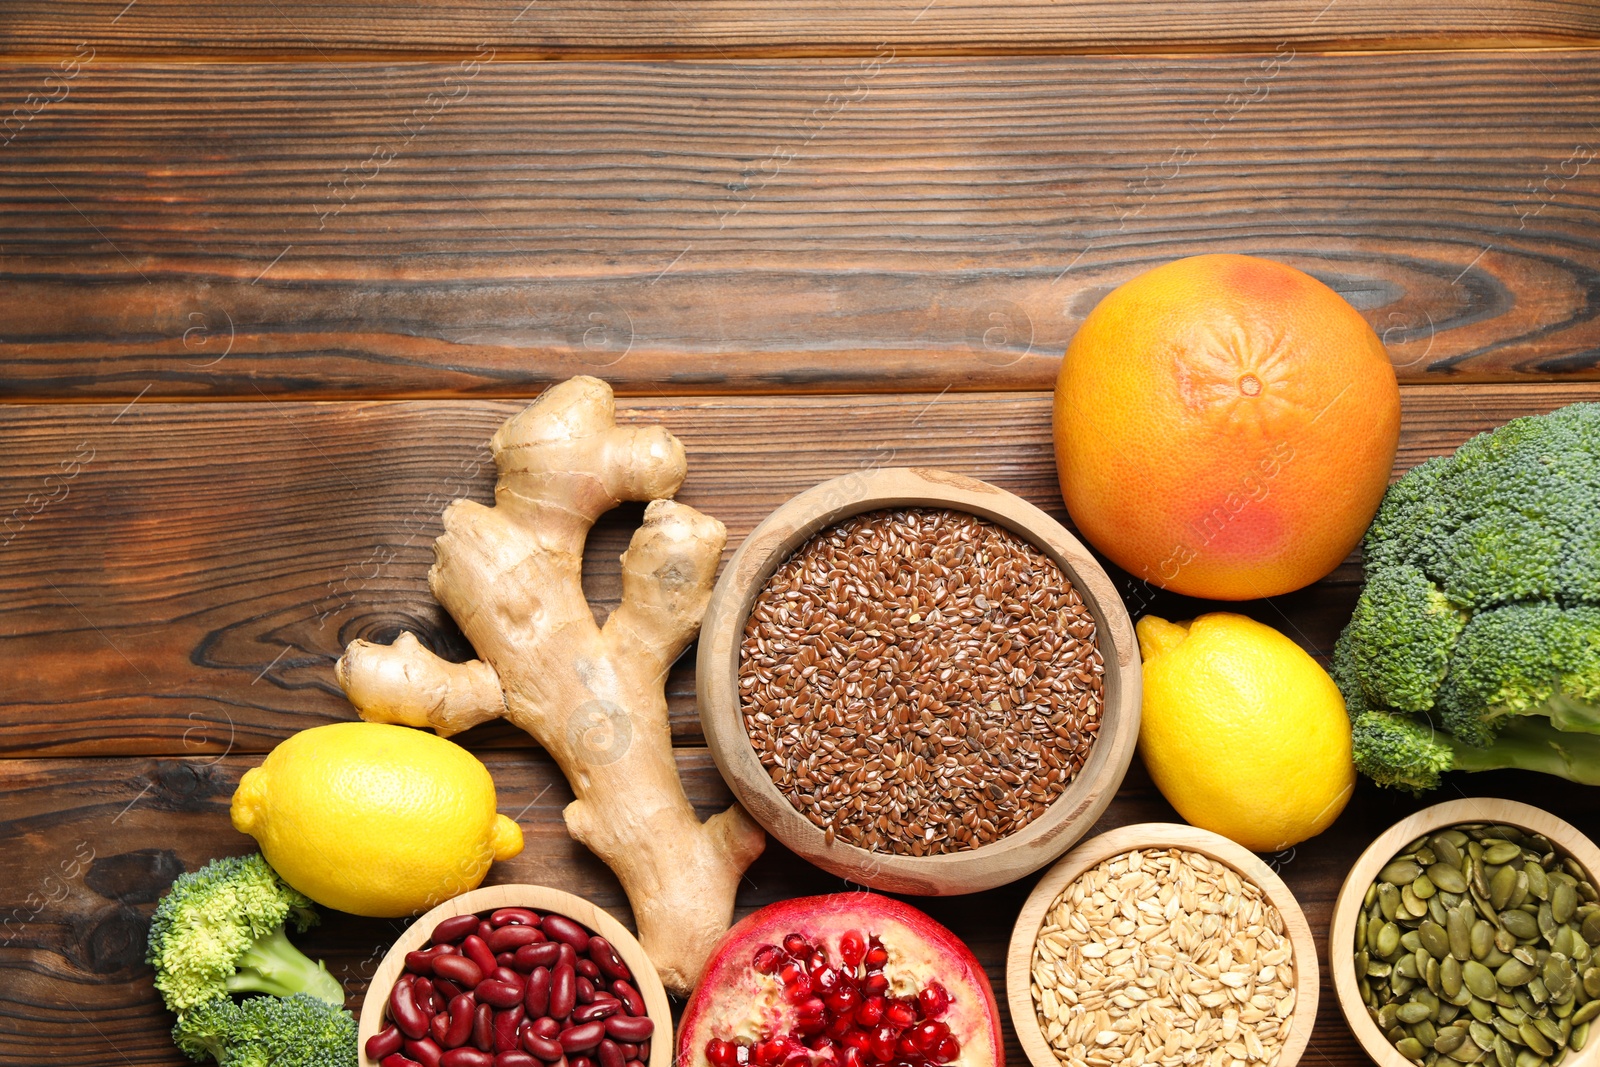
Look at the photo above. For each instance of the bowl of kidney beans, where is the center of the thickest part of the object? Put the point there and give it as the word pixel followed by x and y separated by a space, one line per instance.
pixel 516 976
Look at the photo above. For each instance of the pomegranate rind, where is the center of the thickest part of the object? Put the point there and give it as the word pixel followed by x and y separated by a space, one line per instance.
pixel 734 1002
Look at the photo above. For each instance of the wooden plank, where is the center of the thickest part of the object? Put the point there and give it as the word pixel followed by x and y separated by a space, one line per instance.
pixel 179 579
pixel 768 226
pixel 729 28
pixel 91 844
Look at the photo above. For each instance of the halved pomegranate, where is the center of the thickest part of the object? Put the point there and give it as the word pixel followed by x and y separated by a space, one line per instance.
pixel 847 980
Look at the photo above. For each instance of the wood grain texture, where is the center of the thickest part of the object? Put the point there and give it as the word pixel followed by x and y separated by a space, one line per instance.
pixel 794 523
pixel 1364 871
pixel 1164 835
pixel 488 227
pixel 179 579
pixel 570 28
pixel 92 843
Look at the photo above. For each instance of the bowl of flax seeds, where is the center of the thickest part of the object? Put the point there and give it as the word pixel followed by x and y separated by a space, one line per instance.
pixel 918 681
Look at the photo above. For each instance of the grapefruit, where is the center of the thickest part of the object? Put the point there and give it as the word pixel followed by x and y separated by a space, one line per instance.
pixel 1225 427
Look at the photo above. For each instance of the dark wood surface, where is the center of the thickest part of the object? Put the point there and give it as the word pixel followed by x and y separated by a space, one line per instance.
pixel 349 230
pixel 260 209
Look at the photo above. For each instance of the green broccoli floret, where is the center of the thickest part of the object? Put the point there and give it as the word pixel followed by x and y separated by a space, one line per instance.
pixel 1481 613
pixel 294 1031
pixel 1399 751
pixel 1405 628
pixel 220 930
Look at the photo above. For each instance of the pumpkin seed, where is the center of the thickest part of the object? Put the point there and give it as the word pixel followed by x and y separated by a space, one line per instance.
pixel 1591 927
pixel 1585 1013
pixel 1499 851
pixel 1449 976
pixel 1413 1012
pixel 1538 884
pixel 1563 902
pixel 1482 938
pixel 1460 934
pixel 1504 1055
pixel 1400 872
pixel 1513 973
pixel 1447 877
pixel 1482 1035
pixel 1535 1041
pixel 1449 1039
pixel 1388 940
pixel 1410 1048
pixel 1518 924
pixel 1579 1038
pixel 1479 979
pixel 1434 939
pixel 1500 887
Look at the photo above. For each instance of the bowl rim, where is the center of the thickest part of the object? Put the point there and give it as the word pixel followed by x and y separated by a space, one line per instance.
pixel 521 895
pixel 717 668
pixel 1155 835
pixel 1385 847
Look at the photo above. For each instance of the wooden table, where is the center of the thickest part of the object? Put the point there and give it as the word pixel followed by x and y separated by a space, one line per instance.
pixel 273 272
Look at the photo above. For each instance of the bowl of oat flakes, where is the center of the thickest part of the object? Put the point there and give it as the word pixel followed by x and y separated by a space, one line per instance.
pixel 918 681
pixel 1162 944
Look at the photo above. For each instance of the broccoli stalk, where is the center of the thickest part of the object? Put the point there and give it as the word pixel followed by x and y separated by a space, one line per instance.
pixel 294 1031
pixel 272 965
pixel 1476 642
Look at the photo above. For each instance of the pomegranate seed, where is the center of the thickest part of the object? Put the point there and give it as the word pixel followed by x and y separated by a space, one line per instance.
pixel 791 972
pixel 933 1000
pixel 796 945
pixel 875 985
pixel 851 949
pixel 818 964
pixel 906 1047
pixel 797 1056
pixel 926 1036
pixel 799 989
pixel 770 1053
pixel 859 1040
pixel 883 1042
pixel 768 959
pixel 900 1014
pixel 876 955
pixel 741 1055
pixel 852 1057
pixel 721 1053
pixel 840 1026
pixel 871 1011
pixel 826 980
pixel 949 1048
pixel 844 1000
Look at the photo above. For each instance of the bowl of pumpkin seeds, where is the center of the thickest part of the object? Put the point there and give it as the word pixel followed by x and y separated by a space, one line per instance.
pixel 1469 933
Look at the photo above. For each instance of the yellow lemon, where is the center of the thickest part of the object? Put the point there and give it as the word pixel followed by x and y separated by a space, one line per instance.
pixel 374 819
pixel 1242 731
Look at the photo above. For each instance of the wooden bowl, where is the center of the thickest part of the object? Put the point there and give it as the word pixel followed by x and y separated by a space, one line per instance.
pixel 999 862
pixel 488 898
pixel 1342 935
pixel 1154 835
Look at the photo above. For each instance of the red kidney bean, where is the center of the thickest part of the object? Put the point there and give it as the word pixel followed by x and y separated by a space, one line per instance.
pixel 629 1051
pixel 466 1057
pixel 629 996
pixel 588 969
pixel 561 928
pixel 630 1028
pixel 546 1048
pixel 537 997
pixel 635 1063
pixel 439 1028
pixel 511 938
pixel 606 958
pixel 422 993
pixel 597 1010
pixel 483 1027
pixel 462 1011
pixel 546 1027
pixel 507 975
pixel 505 1028
pixel 424 1052
pixel 458 969
pixel 515 1058
pixel 498 994
pixel 394 1059
pixel 608 1054
pixel 583 989
pixel 583 1037
pixel 420 962
pixel 581 1061
pixel 446 989
pixel 563 991
pixel 477 950
pixel 544 954
pixel 644 1051
pixel 405 1011
pixel 485 928
pixel 514 916
pixel 569 955
pixel 452 930
pixel 504 959
pixel 385 1041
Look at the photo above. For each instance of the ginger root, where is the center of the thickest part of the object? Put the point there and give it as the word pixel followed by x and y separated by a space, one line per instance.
pixel 593 696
